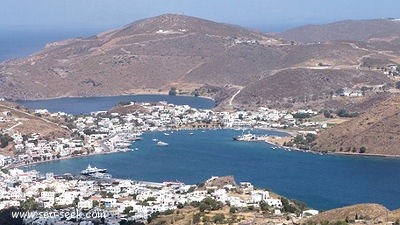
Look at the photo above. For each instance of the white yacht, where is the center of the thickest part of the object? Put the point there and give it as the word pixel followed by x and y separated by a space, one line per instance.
pixel 161 143
pixel 91 170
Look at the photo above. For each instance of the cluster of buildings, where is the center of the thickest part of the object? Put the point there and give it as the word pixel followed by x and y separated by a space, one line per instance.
pixel 103 132
pixel 117 199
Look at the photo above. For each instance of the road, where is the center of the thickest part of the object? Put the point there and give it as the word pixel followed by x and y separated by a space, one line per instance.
pixel 233 96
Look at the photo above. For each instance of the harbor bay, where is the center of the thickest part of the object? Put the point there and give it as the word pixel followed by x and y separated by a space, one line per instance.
pixel 87 105
pixel 322 181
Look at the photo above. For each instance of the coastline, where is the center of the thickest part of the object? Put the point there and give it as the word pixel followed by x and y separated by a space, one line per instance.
pixel 58 159
pixel 104 96
pixel 113 152
pixel 294 133
pixel 364 155
pixel 268 140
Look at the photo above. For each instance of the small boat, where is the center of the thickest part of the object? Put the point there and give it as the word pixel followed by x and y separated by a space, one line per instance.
pixel 155 139
pixel 246 137
pixel 166 134
pixel 191 133
pixel 90 170
pixel 161 143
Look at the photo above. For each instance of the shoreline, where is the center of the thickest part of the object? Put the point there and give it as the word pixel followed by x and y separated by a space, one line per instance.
pixel 293 133
pixel 113 152
pixel 105 96
pixel 364 155
pixel 290 134
pixel 59 159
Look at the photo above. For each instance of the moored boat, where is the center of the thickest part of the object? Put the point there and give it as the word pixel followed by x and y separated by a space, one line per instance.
pixel 245 137
pixel 91 170
pixel 161 143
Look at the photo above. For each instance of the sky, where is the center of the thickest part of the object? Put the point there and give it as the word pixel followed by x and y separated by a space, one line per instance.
pixel 266 15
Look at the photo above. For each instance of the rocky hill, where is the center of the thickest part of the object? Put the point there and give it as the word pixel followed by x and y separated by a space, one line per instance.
pixel 16 119
pixel 376 131
pixel 358 214
pixel 348 30
pixel 155 54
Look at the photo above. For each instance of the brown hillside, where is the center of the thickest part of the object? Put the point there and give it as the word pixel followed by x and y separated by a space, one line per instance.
pixel 349 30
pixel 190 53
pixel 296 85
pixel 377 130
pixel 15 119
pixel 367 211
pixel 153 53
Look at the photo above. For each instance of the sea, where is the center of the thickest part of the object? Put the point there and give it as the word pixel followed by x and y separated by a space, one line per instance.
pixel 86 105
pixel 192 156
pixel 21 42
pixel 322 181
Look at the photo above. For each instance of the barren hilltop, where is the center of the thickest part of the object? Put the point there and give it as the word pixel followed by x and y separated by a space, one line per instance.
pixel 188 53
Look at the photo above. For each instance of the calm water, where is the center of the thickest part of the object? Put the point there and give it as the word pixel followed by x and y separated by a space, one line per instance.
pixel 322 181
pixel 90 104
pixel 21 42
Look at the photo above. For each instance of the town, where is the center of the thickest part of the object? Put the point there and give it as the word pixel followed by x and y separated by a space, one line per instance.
pixel 108 132
pixel 110 201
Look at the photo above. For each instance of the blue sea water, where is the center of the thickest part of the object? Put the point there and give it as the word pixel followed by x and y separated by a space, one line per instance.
pixel 87 105
pixel 322 181
pixel 21 42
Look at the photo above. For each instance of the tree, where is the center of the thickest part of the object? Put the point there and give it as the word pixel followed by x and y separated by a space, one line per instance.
pixel 127 210
pixel 265 208
pixel 172 91
pixel 344 113
pixel 30 204
pixel 152 217
pixel 298 139
pixel 4 140
pixel 288 207
pixel 219 218
pixel 339 91
pixel 327 114
pixel 398 85
pixel 302 115
pixel 210 204
pixel 196 218
pixel 203 207
pixel 362 149
pixel 310 138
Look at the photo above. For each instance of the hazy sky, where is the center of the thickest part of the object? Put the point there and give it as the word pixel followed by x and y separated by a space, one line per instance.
pixel 261 14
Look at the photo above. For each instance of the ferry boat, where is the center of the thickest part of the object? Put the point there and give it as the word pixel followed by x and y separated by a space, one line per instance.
pixel 161 143
pixel 91 170
pixel 246 137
